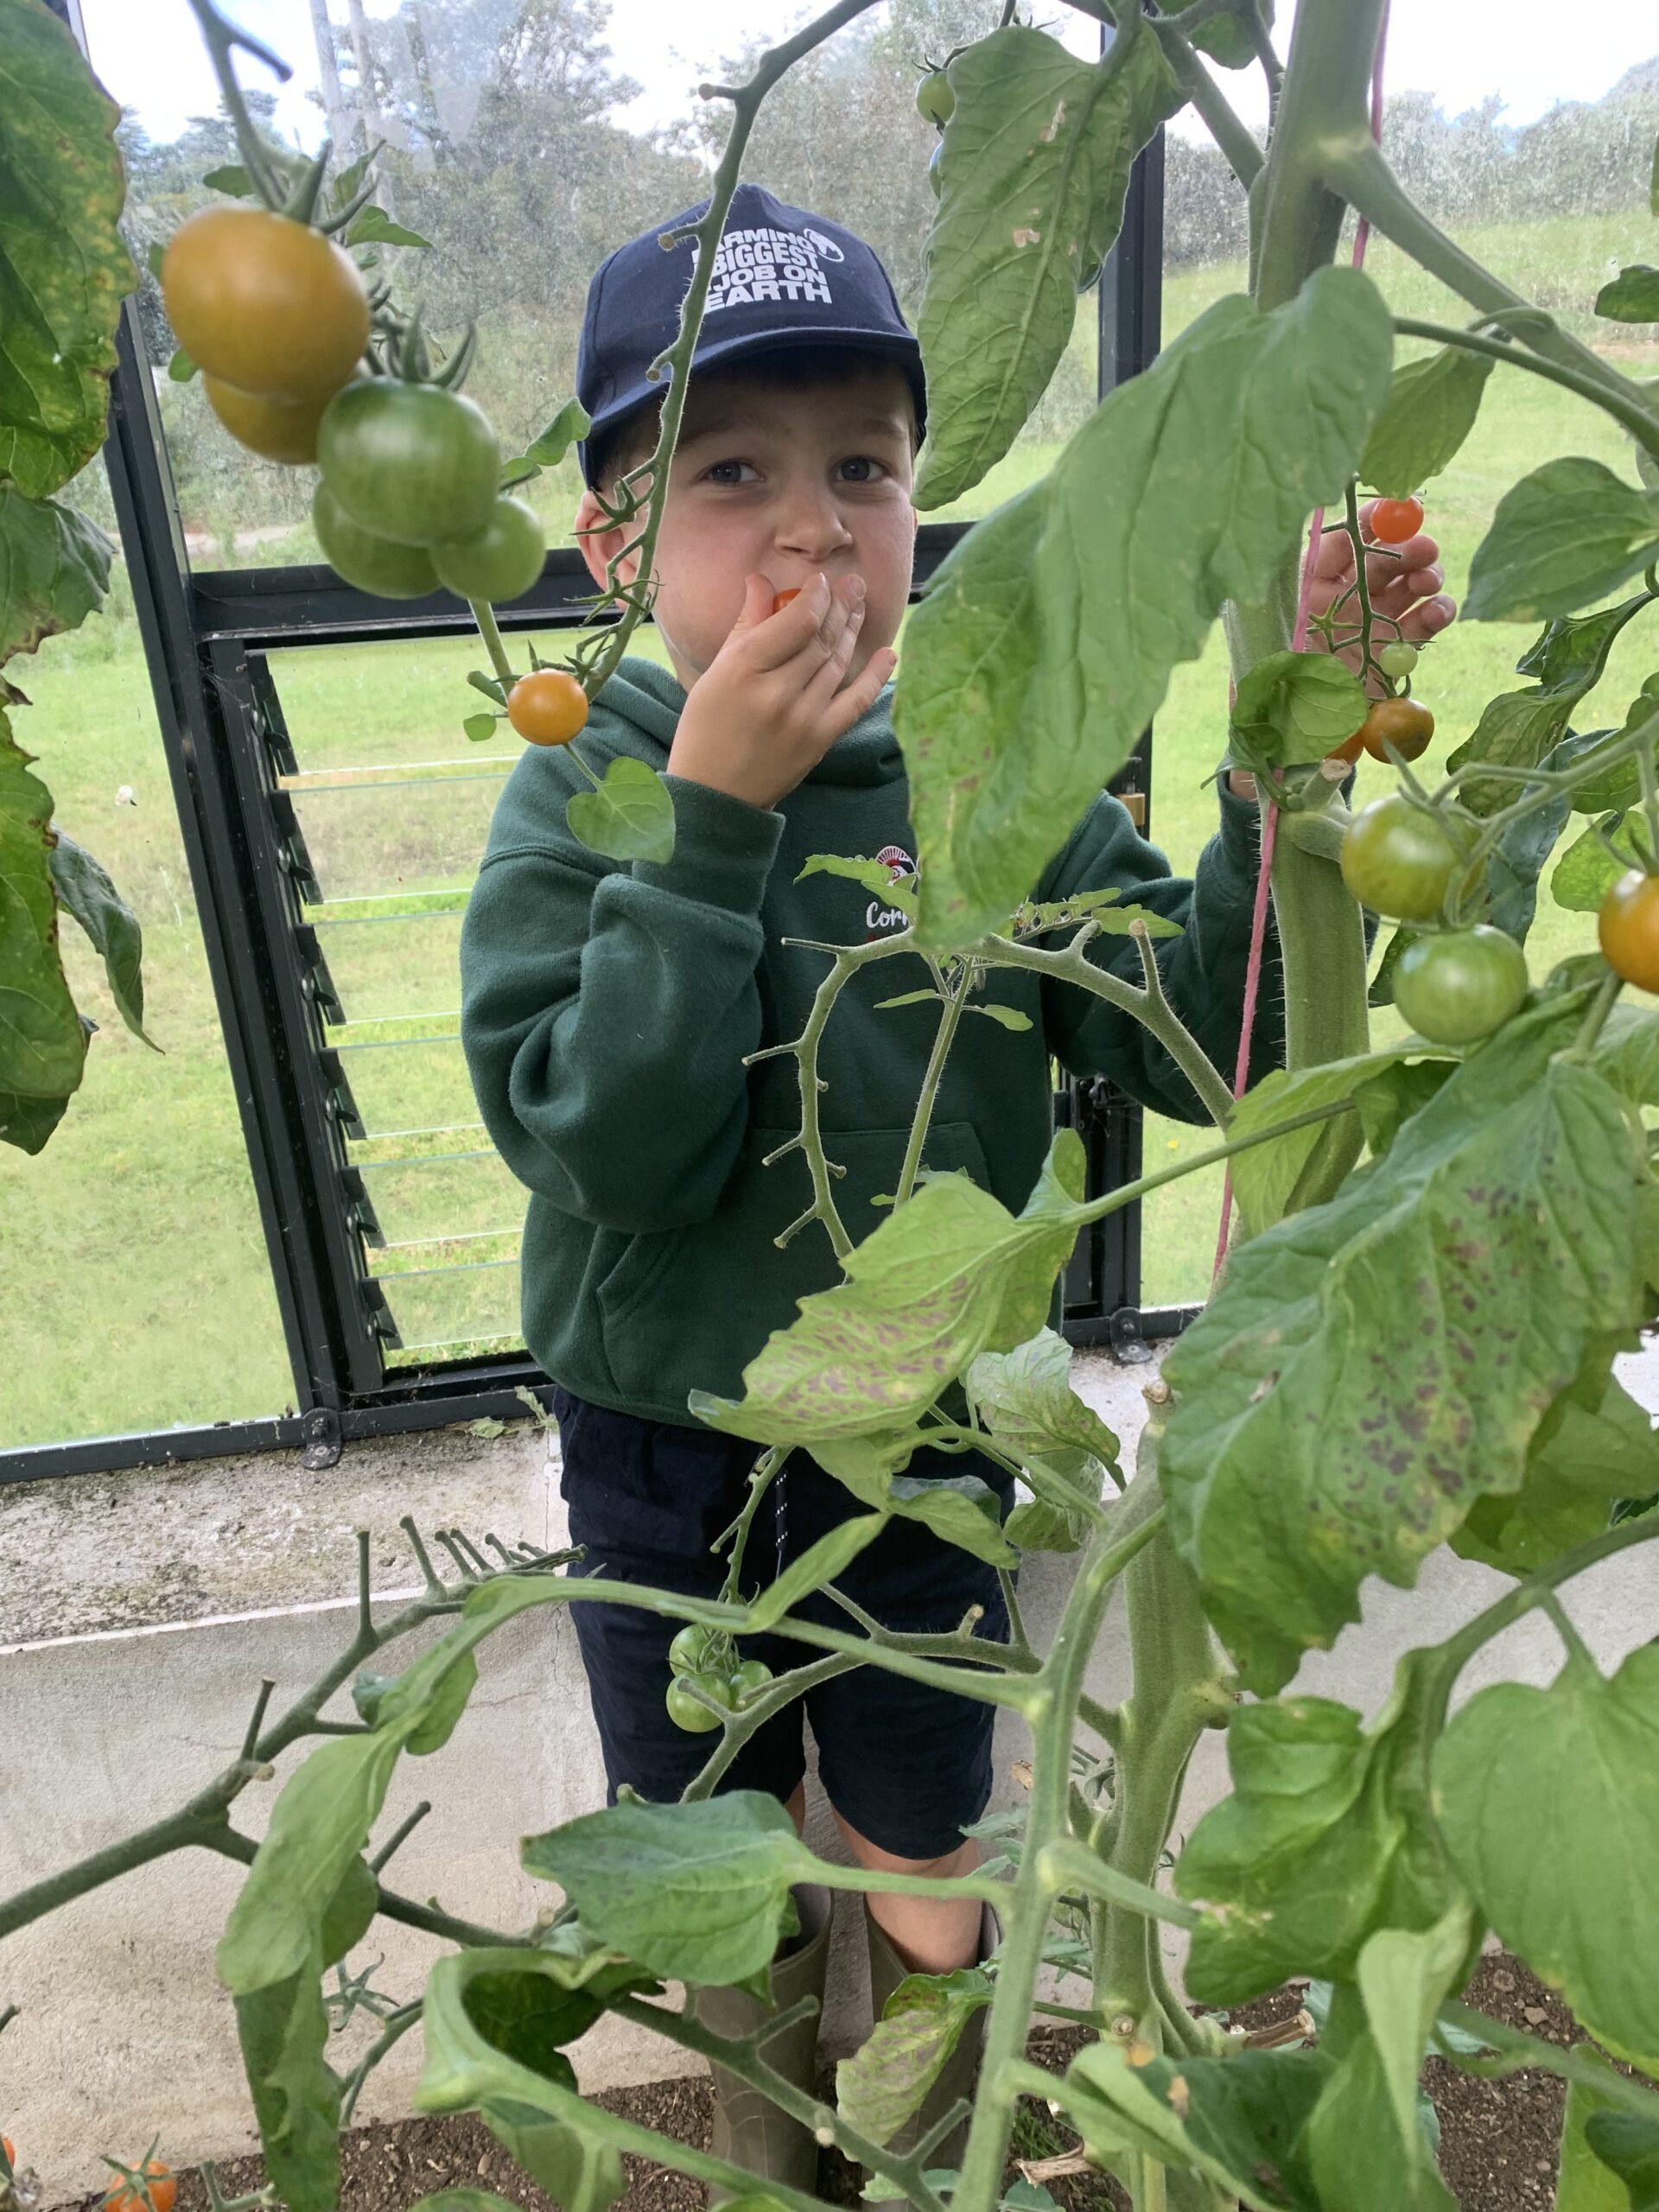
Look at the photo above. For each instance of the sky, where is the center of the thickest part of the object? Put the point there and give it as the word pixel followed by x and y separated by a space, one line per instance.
pixel 149 57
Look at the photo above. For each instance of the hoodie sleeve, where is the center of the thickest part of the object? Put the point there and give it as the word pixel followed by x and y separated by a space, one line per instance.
pixel 606 1011
pixel 1203 969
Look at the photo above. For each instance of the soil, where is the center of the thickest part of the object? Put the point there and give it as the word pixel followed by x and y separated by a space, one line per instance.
pixel 1498 2139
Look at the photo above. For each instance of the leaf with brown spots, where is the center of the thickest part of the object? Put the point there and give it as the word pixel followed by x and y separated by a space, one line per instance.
pixel 1374 1365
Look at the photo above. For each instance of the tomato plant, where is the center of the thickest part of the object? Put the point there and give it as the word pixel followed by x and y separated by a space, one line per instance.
pixel 1458 986
pixel 549 707
pixel 412 462
pixel 264 304
pixel 935 101
pixel 1627 928
pixel 1396 859
pixel 147 2187
pixel 1394 521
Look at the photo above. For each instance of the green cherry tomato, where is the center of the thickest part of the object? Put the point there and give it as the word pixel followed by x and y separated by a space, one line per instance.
pixel 688 1652
pixel 935 101
pixel 686 1711
pixel 409 461
pixel 1397 860
pixel 749 1679
pixel 373 565
pixel 497 563
pixel 1397 660
pixel 1460 985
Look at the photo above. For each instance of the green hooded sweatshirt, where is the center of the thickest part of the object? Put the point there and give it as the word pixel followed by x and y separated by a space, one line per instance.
pixel 607 1011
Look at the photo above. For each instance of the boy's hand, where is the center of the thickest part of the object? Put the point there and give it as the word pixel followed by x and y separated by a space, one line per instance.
pixel 1404 582
pixel 776 697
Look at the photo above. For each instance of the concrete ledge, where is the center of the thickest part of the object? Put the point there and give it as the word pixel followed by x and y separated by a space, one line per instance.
pixel 137 1612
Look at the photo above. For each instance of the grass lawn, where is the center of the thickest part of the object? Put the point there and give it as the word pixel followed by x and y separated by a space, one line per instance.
pixel 132 1266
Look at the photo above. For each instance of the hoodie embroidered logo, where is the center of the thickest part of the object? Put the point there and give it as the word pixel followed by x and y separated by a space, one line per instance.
pixel 770 264
pixel 877 918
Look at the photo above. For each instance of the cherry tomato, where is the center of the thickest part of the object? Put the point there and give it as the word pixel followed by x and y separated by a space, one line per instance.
pixel 1397 860
pixel 410 461
pixel 784 598
pixel 936 100
pixel 373 565
pixel 1398 657
pixel 157 2196
pixel 277 430
pixel 264 304
pixel 935 184
pixel 749 1679
pixel 549 707
pixel 1460 985
pixel 688 1652
pixel 687 1711
pixel 1350 749
pixel 1628 929
pixel 499 561
pixel 11 2155
pixel 1406 724
pixel 1393 521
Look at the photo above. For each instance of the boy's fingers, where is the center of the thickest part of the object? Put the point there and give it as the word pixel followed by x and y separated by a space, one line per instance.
pixel 861 694
pixel 781 636
pixel 829 679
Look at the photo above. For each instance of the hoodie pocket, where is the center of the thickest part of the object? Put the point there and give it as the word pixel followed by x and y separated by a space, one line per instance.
pixel 686 1309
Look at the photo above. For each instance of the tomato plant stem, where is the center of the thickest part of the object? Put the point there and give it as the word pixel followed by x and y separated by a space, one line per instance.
pixel 944 1038
pixel 484 615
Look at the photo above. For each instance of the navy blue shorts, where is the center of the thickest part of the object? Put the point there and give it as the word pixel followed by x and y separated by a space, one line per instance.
pixel 906 1764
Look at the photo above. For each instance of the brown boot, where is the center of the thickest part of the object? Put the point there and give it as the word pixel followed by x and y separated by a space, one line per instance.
pixel 960 2073
pixel 749 2131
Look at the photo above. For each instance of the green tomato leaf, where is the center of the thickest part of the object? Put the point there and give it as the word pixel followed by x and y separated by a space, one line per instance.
pixel 1629 2145
pixel 372 225
pixel 629 817
pixel 1594 1446
pixel 1430 410
pixel 55 570
pixel 27 1122
pixel 551 444
pixel 1006 1017
pixel 1632 296
pixel 43 1043
pixel 1509 1193
pixel 1033 168
pixel 893 890
pixel 1353 2145
pixel 886 2082
pixel 946 1277
pixel 1569 533
pixel 479 727
pixel 283 2032
pixel 350 1914
pixel 84 889
pixel 1404 1976
pixel 820 1563
pixel 1121 2103
pixel 1520 729
pixel 1026 1399
pixel 1034 662
pixel 58 308
pixel 695 1892
pixel 1586 871
pixel 1549 1798
pixel 234 180
pixel 1613 789
pixel 1328 1837
pixel 1586 2184
pixel 180 367
pixel 1291 709
pixel 1227 39
pixel 960 1510
pixel 1270 1180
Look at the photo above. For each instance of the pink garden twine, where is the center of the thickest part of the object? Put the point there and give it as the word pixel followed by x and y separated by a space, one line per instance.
pixel 1270 819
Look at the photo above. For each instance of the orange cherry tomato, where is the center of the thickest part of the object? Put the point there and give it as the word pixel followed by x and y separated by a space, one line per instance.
pixel 1406 724
pixel 1350 749
pixel 1627 929
pixel 1393 521
pixel 11 2155
pixel 264 304
pixel 549 707
pixel 277 430
pixel 123 2197
pixel 784 598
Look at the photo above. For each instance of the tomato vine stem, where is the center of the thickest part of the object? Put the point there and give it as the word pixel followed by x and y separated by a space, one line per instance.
pixel 1642 422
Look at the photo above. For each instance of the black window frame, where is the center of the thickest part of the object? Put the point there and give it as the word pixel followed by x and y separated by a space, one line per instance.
pixel 206 637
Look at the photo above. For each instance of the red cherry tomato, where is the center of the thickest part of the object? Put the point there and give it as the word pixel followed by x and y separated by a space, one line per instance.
pixel 1393 521
pixel 155 2194
pixel 784 598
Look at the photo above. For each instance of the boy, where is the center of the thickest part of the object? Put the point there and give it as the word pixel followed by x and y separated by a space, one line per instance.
pixel 608 1011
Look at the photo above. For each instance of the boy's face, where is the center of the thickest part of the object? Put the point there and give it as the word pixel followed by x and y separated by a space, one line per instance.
pixel 787 484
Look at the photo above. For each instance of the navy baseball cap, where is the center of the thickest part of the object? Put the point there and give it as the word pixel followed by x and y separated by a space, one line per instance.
pixel 782 278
